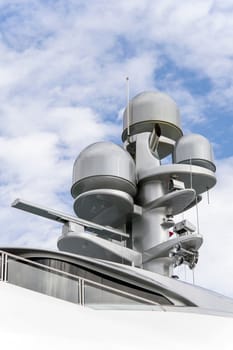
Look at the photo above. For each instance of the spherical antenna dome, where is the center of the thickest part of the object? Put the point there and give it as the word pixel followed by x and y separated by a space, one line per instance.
pixel 150 108
pixel 103 165
pixel 196 149
pixel 104 183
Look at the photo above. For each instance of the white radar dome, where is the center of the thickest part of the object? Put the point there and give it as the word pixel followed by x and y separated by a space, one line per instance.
pixel 150 108
pixel 196 149
pixel 104 183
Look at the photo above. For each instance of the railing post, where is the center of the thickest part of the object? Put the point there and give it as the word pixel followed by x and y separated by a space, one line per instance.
pixel 81 291
pixel 4 266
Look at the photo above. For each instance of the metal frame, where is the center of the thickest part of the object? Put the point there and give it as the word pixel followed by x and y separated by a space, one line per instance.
pixel 82 281
pixel 3 275
pixel 2 266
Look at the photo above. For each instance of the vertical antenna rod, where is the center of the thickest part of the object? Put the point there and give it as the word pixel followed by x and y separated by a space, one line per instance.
pixel 208 196
pixel 191 174
pixel 128 115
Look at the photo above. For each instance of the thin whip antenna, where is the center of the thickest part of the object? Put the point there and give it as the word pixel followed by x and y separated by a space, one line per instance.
pixel 191 185
pixel 197 215
pixel 208 195
pixel 191 174
pixel 128 107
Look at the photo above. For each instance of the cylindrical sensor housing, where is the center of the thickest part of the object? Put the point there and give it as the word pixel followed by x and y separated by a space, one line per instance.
pixel 150 108
pixel 104 183
pixel 194 149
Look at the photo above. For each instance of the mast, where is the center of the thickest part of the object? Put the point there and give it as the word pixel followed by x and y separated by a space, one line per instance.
pixel 126 201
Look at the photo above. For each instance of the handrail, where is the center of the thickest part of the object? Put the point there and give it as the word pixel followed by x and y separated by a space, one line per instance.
pixel 81 280
pixel 2 266
pixel 39 265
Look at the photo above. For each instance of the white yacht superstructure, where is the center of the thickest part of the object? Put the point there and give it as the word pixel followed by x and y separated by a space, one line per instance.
pixel 111 284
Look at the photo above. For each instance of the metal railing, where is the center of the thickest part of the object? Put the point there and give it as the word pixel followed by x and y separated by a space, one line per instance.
pixel 88 291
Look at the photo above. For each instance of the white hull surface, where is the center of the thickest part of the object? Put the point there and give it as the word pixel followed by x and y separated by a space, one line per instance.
pixel 30 320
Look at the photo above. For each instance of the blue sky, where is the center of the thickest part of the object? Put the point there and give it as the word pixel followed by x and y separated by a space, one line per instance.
pixel 62 86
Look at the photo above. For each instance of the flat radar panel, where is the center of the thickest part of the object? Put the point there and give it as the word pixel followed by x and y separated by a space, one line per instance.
pixel 65 218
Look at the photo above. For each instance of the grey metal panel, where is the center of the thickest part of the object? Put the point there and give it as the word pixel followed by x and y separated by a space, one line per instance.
pixel 196 177
pixel 89 245
pixel 103 181
pixel 175 202
pixel 104 206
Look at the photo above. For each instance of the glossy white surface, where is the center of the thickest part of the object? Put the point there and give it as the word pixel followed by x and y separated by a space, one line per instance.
pixel 31 320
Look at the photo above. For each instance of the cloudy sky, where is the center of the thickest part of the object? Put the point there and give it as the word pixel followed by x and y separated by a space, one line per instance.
pixel 63 65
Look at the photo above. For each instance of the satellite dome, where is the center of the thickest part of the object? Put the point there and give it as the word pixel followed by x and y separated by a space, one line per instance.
pixel 196 149
pixel 104 183
pixel 150 108
pixel 104 165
